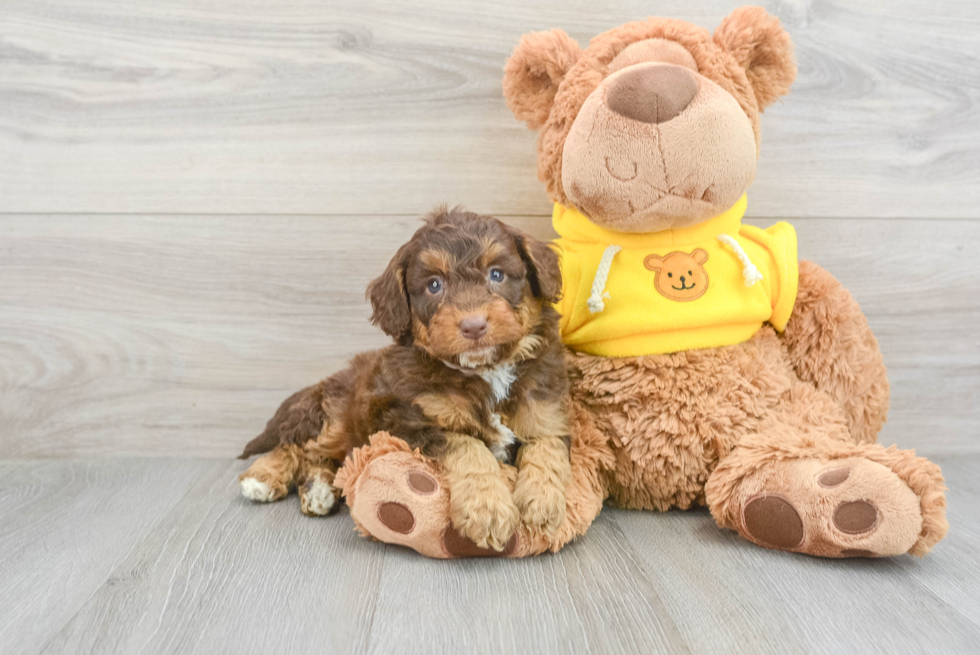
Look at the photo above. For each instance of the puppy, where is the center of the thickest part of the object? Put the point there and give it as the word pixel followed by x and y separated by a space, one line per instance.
pixel 476 373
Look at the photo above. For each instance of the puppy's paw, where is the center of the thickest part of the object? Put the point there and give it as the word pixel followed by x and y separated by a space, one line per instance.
pixel 485 512
pixel 317 497
pixel 542 505
pixel 262 490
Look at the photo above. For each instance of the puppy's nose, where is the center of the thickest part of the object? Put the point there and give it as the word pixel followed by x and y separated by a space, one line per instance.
pixel 682 279
pixel 473 327
pixel 653 94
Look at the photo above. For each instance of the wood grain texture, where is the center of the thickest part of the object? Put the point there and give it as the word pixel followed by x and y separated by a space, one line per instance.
pixel 730 596
pixel 219 574
pixel 224 575
pixel 65 528
pixel 594 598
pixel 370 107
pixel 181 335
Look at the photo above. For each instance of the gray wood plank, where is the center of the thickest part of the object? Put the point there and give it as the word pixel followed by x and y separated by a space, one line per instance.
pixel 730 596
pixel 180 335
pixel 223 575
pixel 592 598
pixel 364 106
pixel 219 574
pixel 953 573
pixel 66 525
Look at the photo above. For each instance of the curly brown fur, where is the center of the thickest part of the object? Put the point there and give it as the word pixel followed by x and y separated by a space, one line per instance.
pixel 446 387
pixel 831 345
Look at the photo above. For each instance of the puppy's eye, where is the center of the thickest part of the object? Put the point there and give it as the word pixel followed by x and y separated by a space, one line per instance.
pixel 496 275
pixel 434 285
pixel 690 273
pixel 670 275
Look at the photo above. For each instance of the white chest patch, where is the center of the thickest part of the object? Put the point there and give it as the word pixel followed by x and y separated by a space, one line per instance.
pixel 500 378
pixel 507 437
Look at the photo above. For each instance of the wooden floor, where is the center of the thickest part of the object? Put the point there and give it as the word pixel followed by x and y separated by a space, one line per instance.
pixel 164 556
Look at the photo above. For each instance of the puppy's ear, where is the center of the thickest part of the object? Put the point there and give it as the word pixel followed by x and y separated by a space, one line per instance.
pixel 533 73
pixel 763 48
pixel 653 262
pixel 389 299
pixel 543 265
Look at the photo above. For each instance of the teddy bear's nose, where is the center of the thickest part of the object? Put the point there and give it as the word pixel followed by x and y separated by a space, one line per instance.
pixel 652 94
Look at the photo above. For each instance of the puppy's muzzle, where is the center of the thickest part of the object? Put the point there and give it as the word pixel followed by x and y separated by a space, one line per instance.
pixel 473 327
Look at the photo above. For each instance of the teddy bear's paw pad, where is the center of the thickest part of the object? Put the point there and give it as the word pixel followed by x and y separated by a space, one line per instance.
pixel 400 500
pixel 833 478
pixel 855 517
pixel 457 545
pixel 856 552
pixel 422 483
pixel 396 517
pixel 773 520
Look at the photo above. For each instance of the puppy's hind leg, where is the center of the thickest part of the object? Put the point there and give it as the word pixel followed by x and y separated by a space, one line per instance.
pixel 317 494
pixel 271 476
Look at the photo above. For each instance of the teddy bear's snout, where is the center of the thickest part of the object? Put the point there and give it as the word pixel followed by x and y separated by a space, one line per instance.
pixel 652 93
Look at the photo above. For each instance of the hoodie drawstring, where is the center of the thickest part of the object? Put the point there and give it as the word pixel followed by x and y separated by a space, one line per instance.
pixel 599 282
pixel 750 272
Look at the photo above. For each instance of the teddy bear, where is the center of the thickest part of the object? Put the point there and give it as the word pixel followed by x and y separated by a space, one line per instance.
pixel 708 365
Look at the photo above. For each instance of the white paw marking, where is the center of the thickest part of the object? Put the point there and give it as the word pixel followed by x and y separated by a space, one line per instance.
pixel 319 497
pixel 255 490
pixel 507 437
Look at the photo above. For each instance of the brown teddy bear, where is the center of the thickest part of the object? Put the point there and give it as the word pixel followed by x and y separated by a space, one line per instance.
pixel 709 366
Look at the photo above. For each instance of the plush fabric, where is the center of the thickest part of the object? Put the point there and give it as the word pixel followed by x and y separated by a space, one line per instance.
pixel 774 429
pixel 397 495
pixel 703 304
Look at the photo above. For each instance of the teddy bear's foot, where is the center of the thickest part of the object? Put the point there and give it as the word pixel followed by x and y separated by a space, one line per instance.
pixel 878 503
pixel 843 508
pixel 397 496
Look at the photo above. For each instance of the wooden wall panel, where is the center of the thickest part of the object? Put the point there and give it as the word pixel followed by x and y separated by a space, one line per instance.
pixel 176 335
pixel 370 107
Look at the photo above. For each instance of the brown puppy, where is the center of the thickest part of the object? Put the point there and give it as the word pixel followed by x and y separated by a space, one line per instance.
pixel 477 371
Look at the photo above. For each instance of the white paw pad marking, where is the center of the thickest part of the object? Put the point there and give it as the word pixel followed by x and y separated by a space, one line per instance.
pixel 255 490
pixel 505 437
pixel 319 497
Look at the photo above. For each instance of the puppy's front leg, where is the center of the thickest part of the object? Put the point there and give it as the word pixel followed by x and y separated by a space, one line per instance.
pixel 544 469
pixel 480 504
pixel 271 476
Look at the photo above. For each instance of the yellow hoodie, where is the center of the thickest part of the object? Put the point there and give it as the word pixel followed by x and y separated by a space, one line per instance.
pixel 712 284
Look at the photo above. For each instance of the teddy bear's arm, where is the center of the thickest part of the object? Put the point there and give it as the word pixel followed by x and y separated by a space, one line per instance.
pixel 831 345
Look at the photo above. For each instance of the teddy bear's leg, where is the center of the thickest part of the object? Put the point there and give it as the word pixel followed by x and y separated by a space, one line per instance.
pixel 801 484
pixel 831 346
pixel 271 476
pixel 399 496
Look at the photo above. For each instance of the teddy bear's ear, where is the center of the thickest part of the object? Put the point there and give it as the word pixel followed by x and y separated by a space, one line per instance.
pixel 533 73
pixel 763 48
pixel 653 262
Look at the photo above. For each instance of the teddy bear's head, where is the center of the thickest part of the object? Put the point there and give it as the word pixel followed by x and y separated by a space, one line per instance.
pixel 656 124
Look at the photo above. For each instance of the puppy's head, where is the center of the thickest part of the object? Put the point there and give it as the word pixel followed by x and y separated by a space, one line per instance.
pixel 466 289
